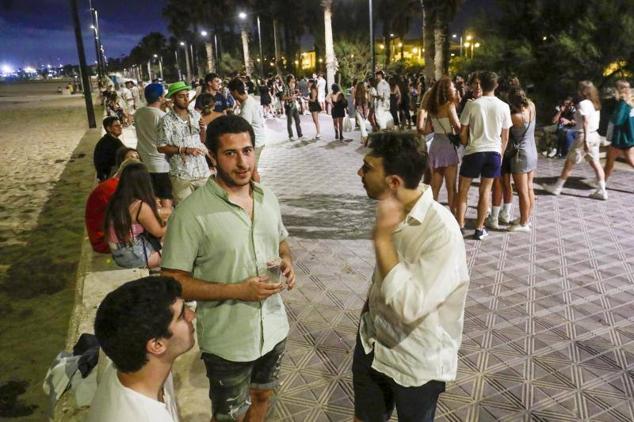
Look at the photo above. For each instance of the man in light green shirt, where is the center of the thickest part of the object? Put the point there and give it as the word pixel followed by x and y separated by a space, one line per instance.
pixel 218 243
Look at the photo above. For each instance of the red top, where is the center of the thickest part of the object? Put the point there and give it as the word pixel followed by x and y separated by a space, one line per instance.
pixel 96 212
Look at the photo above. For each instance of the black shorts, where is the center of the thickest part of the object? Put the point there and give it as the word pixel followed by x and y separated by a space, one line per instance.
pixel 376 394
pixel 162 185
pixel 487 165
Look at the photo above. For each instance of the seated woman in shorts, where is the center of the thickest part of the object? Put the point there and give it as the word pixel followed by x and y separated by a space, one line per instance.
pixel 133 225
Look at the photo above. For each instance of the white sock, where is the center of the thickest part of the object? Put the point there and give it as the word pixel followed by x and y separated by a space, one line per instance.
pixel 495 212
pixel 601 184
pixel 560 182
pixel 506 208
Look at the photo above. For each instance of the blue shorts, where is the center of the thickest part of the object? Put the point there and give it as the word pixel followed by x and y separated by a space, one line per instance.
pixel 481 164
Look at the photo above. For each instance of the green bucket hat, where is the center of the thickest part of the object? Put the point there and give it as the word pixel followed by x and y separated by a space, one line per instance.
pixel 177 87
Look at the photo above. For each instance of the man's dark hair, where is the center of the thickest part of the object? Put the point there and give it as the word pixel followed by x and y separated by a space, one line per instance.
pixel 133 314
pixel 223 125
pixel 108 121
pixel 289 77
pixel 401 156
pixel 380 72
pixel 488 81
pixel 236 84
pixel 210 77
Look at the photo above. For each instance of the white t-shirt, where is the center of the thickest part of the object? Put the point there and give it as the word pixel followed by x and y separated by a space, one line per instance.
pixel 115 403
pixel 251 112
pixel 487 117
pixel 321 88
pixel 586 109
pixel 383 91
pixel 146 121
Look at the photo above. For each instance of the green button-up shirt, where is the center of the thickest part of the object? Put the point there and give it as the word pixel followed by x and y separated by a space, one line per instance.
pixel 216 241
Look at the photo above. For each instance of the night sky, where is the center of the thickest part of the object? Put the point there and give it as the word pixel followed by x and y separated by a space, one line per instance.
pixel 39 32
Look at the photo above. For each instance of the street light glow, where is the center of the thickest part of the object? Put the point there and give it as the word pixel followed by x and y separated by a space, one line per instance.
pixel 454 36
pixel 182 43
pixel 467 44
pixel 155 55
pixel 242 15
pixel 469 37
pixel 6 69
pixel 477 45
pixel 203 33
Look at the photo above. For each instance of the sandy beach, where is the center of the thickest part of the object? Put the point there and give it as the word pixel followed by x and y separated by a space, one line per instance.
pixel 40 135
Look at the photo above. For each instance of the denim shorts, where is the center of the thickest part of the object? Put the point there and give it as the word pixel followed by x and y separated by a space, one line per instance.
pixel 230 382
pixel 132 256
pixel 481 164
pixel 376 395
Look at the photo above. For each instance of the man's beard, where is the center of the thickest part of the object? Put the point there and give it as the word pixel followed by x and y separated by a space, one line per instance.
pixel 228 180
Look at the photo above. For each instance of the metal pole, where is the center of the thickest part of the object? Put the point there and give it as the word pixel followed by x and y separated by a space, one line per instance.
pixel 149 70
pixel 261 55
pixel 194 68
pixel 95 33
pixel 461 46
pixel 85 77
pixel 161 67
pixel 216 51
pixel 372 39
pixel 178 68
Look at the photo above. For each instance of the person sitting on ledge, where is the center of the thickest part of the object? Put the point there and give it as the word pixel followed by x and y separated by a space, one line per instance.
pixel 98 201
pixel 134 224
pixel 142 326
pixel 106 149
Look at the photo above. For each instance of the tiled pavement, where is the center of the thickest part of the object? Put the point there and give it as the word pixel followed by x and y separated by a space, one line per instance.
pixel 548 330
pixel 548 323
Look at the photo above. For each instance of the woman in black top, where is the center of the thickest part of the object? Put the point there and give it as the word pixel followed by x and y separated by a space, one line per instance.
pixel 313 105
pixel 339 104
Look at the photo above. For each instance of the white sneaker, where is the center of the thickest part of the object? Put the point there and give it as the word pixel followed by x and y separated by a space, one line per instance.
pixel 553 189
pixel 591 181
pixel 492 223
pixel 552 153
pixel 599 194
pixel 521 228
pixel 505 218
pixel 291 139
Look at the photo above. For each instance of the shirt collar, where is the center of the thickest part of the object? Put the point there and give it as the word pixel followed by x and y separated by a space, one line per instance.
pixel 215 189
pixel 418 212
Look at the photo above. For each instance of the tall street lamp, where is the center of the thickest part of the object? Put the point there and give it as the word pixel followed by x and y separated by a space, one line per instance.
pixel 160 62
pixel 372 38
pixel 189 69
pixel 211 66
pixel 245 43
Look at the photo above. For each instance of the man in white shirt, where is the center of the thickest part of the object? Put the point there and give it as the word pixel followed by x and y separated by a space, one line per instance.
pixel 250 111
pixel 142 326
pixel 485 132
pixel 411 325
pixel 321 92
pixel 146 122
pixel 383 100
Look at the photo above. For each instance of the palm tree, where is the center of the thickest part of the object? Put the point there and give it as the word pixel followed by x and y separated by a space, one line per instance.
pixel 428 37
pixel 331 60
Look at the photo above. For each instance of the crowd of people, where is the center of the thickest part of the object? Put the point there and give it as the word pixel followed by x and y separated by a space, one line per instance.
pixel 188 202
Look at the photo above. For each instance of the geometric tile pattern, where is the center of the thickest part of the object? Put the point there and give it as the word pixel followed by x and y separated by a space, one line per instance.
pixel 548 331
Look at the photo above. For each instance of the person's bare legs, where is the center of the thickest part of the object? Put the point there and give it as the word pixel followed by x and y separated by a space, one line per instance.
pixel 259 405
pixel 450 184
pixel 463 196
pixel 315 115
pixel 521 185
pixel 567 170
pixel 598 170
pixel 496 192
pixel 437 176
pixel 486 183
pixel 531 192
pixel 507 188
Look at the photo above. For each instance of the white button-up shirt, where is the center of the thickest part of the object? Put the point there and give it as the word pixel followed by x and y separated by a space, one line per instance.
pixel 416 313
pixel 174 131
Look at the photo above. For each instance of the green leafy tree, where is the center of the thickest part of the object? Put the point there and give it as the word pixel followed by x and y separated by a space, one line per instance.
pixel 354 60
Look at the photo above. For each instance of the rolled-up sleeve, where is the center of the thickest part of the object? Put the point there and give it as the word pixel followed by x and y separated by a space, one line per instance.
pixel 407 288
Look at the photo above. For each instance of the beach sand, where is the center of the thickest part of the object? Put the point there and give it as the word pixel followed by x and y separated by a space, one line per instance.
pixel 46 173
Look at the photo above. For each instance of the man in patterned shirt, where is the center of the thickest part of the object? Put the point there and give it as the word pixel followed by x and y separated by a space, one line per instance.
pixel 179 139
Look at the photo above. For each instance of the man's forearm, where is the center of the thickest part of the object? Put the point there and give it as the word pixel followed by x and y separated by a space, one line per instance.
pixel 386 255
pixel 196 289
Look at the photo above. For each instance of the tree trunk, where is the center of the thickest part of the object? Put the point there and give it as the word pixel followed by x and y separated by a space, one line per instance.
pixel 189 68
pixel 331 60
pixel 211 64
pixel 277 48
pixel 428 38
pixel 441 65
pixel 245 51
